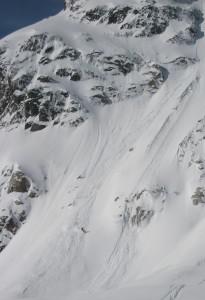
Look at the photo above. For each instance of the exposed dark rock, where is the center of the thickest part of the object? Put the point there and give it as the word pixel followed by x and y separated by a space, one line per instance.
pixel 18 97
pixel 95 14
pixel 73 54
pixel 18 183
pixel 11 225
pixel 27 101
pixel 158 75
pixel 76 122
pixel 22 216
pixel 22 82
pixel 65 94
pixel 46 79
pixel 3 220
pixel 15 209
pixel 149 19
pixel 34 193
pixel 28 125
pixel 73 74
pixel 37 127
pixel 63 72
pixel 35 43
pixel 71 4
pixel 44 113
pixel 193 32
pixel 141 207
pixel 101 99
pixel 7 171
pixel 49 50
pixel 2 246
pixel 153 20
pixel 45 60
pixel 2 50
pixel 93 56
pixel 104 95
pixel 135 90
pixel 141 216
pixel 31 105
pixel 31 108
pixel 183 61
pixel 118 14
pixel 119 63
pixel 199 196
pixel 98 88
pixel 35 94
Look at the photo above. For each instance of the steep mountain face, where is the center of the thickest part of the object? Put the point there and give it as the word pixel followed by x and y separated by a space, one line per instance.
pixel 102 162
pixel 129 17
pixel 35 74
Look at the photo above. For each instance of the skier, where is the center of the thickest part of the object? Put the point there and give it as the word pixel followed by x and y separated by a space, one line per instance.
pixel 84 230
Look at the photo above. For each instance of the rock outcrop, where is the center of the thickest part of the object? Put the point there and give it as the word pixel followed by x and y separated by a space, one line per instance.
pixel 16 192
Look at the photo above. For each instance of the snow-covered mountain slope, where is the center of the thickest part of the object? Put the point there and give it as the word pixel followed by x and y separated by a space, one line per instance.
pixel 102 156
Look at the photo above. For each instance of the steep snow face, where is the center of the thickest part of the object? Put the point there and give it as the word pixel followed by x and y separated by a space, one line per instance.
pixel 102 153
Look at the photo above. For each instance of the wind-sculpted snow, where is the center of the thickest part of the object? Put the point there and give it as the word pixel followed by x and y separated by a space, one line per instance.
pixel 102 161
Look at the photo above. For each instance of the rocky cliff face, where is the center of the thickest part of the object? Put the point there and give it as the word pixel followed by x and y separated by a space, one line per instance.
pixel 36 88
pixel 37 80
pixel 16 192
pixel 143 18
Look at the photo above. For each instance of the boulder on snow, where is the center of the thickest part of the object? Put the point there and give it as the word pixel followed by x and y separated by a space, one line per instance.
pixel 18 183
pixel 37 127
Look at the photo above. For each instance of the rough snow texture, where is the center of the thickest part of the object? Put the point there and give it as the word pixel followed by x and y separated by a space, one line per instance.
pixel 102 160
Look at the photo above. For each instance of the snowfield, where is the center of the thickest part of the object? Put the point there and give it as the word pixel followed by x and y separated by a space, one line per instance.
pixel 110 200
